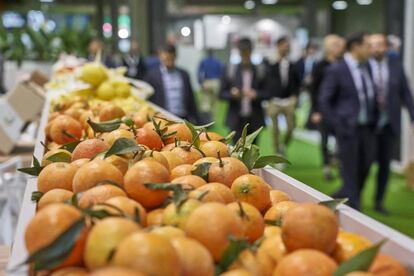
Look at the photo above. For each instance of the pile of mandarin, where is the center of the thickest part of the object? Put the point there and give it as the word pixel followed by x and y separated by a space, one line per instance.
pixel 136 193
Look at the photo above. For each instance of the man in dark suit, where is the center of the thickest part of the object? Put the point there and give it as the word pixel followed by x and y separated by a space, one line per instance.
pixel 172 87
pixel 242 85
pixel 304 66
pixel 393 93
pixel 348 103
pixel 134 62
pixel 334 46
pixel 283 85
pixel 95 47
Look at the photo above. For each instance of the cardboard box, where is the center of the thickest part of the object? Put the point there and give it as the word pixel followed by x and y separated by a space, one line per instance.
pixel 20 105
pixel 39 78
pixel 6 142
pixel 10 126
pixel 27 99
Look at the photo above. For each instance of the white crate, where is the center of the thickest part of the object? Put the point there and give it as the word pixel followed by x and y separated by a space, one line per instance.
pixel 398 245
pixel 19 253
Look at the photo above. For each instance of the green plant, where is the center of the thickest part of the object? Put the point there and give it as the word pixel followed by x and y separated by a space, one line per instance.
pixel 45 46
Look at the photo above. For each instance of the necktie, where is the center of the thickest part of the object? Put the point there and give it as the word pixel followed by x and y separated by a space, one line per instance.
pixel 381 87
pixel 246 106
pixel 365 106
pixel 308 66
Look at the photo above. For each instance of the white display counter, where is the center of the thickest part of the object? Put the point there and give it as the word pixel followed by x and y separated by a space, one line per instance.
pixel 398 245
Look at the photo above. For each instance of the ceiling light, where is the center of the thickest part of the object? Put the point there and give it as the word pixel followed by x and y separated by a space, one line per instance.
pixel 226 20
pixel 249 4
pixel 185 31
pixel 266 25
pixel 339 5
pixel 46 1
pixel 364 2
pixel 107 27
pixel 269 2
pixel 123 33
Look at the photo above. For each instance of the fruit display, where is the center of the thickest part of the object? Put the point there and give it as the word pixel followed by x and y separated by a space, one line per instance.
pixel 124 191
pixel 96 84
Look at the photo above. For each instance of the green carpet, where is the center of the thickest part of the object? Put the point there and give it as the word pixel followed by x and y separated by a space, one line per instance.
pixel 306 167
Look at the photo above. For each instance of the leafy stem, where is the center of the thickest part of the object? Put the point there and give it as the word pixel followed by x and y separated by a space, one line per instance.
pixel 359 262
pixel 36 196
pixel 242 212
pixel 162 132
pixel 249 153
pixel 334 203
pixel 169 122
pixel 231 253
pixel 202 195
pixel 131 125
pixel 107 126
pixel 34 170
pixel 64 132
pixel 207 136
pixel 44 146
pixel 70 146
pixel 123 146
pixel 196 131
pixel 179 193
pixel 53 254
pixel 221 163
pixel 229 138
pixel 201 170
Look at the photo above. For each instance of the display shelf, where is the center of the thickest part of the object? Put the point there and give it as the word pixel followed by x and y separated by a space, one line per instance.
pixel 4 258
pixel 397 245
pixel 28 209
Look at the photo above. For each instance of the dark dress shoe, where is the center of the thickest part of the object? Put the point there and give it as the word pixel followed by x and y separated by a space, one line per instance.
pixel 380 209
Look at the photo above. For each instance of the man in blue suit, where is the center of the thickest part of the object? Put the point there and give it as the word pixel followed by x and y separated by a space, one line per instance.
pixel 393 93
pixel 348 104
pixel 172 87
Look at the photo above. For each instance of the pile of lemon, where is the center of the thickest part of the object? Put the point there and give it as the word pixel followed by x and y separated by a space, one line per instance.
pixel 106 86
pixel 102 85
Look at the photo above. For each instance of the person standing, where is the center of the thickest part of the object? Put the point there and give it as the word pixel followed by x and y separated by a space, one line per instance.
pixel 96 51
pixel 394 46
pixel 393 93
pixel 243 87
pixel 333 50
pixel 113 59
pixel 172 87
pixel 283 85
pixel 95 47
pixel 134 61
pixel 348 103
pixel 209 73
pixel 304 66
pixel 153 60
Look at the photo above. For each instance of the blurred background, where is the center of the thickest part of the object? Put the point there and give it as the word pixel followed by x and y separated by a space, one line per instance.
pixel 34 34
pixel 37 31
